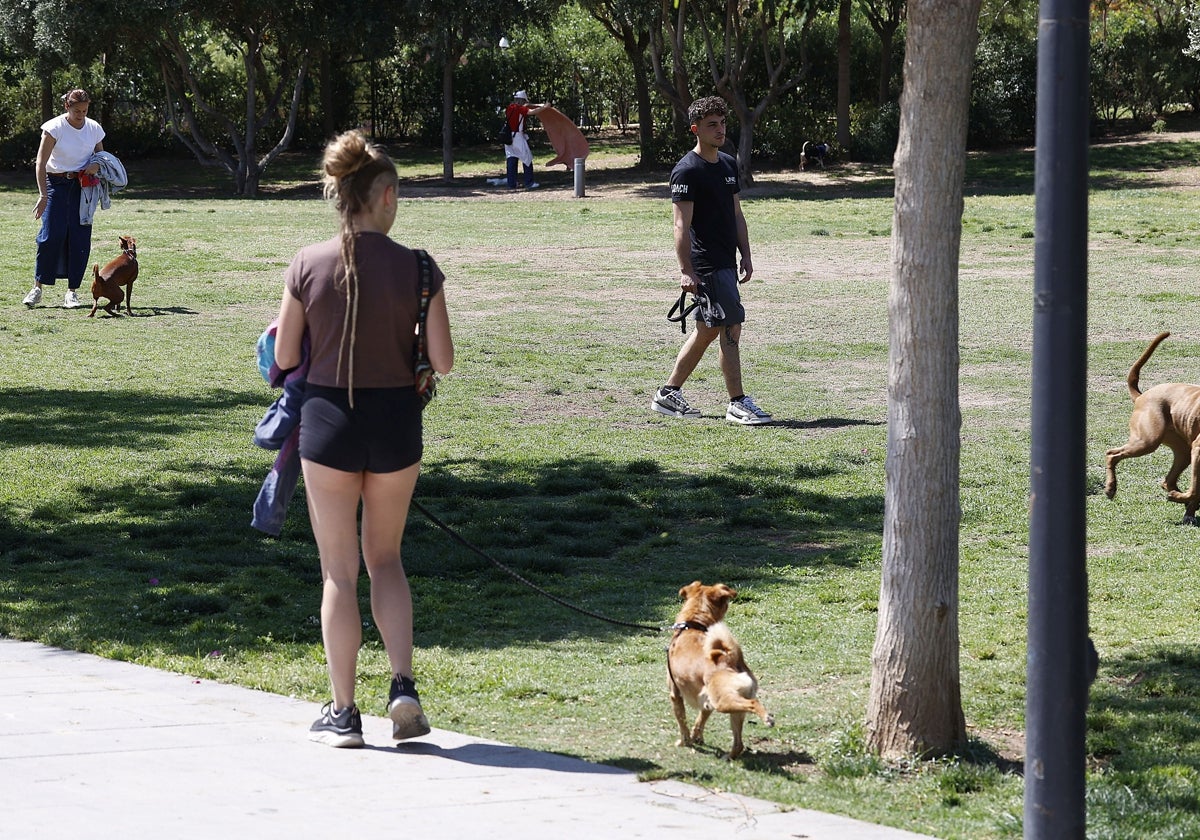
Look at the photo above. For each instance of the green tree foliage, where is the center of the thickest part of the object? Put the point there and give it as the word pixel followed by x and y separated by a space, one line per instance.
pixel 1003 90
pixel 885 17
pixel 233 70
pixel 448 30
pixel 630 23
pixel 755 52
pixel 1140 69
pixel 236 81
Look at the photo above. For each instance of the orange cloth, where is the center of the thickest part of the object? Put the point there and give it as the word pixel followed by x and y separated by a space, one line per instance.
pixel 566 138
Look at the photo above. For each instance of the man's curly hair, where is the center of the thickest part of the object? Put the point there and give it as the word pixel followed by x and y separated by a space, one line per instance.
pixel 704 106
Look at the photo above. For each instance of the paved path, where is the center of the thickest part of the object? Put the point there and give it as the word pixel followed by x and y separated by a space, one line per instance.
pixel 93 749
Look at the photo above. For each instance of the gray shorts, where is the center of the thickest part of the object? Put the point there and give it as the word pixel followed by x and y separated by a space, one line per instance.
pixel 722 287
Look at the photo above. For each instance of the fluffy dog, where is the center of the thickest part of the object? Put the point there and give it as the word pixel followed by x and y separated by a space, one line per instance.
pixel 120 271
pixel 1166 414
pixel 811 153
pixel 706 668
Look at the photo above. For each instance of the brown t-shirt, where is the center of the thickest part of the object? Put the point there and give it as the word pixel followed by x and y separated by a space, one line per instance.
pixel 388 279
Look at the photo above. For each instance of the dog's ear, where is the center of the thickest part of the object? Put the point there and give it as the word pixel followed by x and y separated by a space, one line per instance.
pixel 728 593
pixel 689 590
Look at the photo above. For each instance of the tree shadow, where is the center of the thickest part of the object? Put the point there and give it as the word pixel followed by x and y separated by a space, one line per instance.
pixel 170 562
pixel 1145 710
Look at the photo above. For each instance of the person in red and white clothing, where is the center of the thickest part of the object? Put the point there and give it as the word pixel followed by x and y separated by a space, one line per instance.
pixel 516 113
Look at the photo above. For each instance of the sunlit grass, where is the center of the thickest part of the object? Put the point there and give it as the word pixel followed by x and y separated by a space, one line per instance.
pixel 128 474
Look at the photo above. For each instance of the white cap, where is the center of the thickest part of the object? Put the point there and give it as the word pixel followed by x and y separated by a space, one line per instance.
pixel 521 95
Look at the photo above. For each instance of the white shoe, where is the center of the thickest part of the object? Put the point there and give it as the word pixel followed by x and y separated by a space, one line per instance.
pixel 70 300
pixel 34 297
pixel 746 413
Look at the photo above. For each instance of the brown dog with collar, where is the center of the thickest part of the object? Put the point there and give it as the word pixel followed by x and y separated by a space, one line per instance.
pixel 706 668
pixel 1166 414
pixel 120 271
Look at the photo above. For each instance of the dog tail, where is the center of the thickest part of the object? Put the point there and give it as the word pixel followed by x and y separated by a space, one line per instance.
pixel 1135 372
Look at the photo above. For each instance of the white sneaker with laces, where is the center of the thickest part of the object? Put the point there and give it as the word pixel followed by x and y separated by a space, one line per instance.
pixel 34 297
pixel 747 413
pixel 672 404
pixel 70 300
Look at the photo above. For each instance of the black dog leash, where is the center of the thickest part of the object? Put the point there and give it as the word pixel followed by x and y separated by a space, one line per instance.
pixel 684 309
pixel 709 311
pixel 462 541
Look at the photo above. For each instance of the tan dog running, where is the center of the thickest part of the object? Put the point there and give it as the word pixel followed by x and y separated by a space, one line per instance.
pixel 1166 414
pixel 706 668
pixel 119 271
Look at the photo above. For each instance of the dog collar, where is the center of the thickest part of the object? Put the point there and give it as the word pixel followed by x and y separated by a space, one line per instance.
pixel 689 625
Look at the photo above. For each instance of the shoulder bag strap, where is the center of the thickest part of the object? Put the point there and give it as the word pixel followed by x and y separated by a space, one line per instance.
pixel 426 271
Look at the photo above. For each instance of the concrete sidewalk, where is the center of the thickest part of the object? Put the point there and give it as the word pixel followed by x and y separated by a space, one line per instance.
pixel 91 748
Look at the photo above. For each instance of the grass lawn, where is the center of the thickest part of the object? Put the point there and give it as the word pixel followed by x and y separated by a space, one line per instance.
pixel 128 472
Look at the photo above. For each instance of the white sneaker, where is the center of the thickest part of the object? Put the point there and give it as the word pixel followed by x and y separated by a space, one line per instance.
pixel 672 404
pixel 70 300
pixel 34 297
pixel 746 413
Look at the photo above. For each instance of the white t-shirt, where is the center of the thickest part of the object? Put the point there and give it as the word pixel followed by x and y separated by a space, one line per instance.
pixel 73 147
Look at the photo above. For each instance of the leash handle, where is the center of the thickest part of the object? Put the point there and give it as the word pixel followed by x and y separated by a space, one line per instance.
pixel 681 306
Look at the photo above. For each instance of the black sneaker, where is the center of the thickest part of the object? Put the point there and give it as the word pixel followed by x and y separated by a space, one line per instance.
pixel 341 729
pixel 404 708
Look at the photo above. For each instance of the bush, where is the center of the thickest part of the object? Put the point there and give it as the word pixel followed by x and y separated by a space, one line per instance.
pixel 19 151
pixel 1003 91
pixel 875 131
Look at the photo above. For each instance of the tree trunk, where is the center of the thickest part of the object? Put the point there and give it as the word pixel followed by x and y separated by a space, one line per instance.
pixel 843 83
pixel 915 705
pixel 886 40
pixel 745 149
pixel 645 105
pixel 47 95
pixel 448 117
pixel 325 69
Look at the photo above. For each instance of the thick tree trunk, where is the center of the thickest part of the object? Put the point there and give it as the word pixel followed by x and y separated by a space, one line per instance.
pixel 448 120
pixel 843 83
pixel 915 704
pixel 645 105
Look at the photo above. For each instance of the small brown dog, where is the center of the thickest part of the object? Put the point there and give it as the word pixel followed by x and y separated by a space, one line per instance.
pixel 120 271
pixel 706 668
pixel 1166 414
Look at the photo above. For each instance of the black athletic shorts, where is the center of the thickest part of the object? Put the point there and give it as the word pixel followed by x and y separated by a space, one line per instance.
pixel 722 287
pixel 381 434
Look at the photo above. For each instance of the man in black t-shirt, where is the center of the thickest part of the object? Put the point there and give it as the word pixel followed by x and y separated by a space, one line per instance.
pixel 710 231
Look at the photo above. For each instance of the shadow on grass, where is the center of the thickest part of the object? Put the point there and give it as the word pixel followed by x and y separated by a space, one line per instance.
pixel 170 563
pixel 1145 710
pixel 1143 745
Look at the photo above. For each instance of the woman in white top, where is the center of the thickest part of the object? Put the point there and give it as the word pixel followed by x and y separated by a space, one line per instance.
pixel 64 245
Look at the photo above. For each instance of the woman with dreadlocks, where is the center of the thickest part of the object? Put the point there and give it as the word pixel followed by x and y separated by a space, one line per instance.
pixel 357 296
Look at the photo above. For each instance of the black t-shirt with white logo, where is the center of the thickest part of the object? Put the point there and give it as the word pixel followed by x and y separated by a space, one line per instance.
pixel 710 187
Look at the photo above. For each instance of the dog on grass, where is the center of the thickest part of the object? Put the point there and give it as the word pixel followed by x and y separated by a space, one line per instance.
pixel 1166 414
pixel 120 271
pixel 706 667
pixel 813 153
